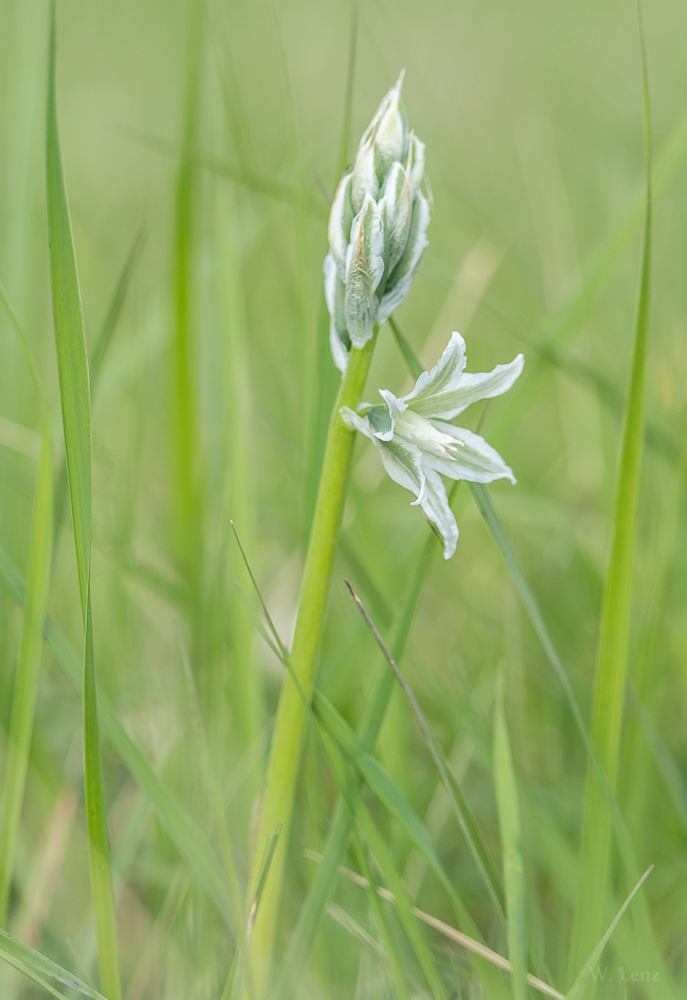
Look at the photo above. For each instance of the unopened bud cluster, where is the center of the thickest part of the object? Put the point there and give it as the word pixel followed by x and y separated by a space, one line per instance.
pixel 377 228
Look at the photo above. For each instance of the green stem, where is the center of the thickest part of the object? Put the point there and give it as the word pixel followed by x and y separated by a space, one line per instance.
pixel 290 721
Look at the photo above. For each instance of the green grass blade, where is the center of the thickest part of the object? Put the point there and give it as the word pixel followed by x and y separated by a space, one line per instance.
pixel 260 184
pixel 390 948
pixel 477 847
pixel 16 326
pixel 114 308
pixel 36 966
pixel 576 991
pixel 609 691
pixel 184 833
pixel 70 339
pixel 320 891
pixel 97 360
pixel 627 853
pixel 26 681
pixel 403 902
pixel 183 406
pixel 415 366
pixel 98 837
pixel 388 792
pixel 513 873
pixel 246 699
pixel 212 786
pixel 76 419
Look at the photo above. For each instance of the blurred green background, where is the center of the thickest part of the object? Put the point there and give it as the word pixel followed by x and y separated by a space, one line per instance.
pixel 532 117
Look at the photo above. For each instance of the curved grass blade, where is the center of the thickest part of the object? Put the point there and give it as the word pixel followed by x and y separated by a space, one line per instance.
pixel 476 947
pixel 403 902
pixel 388 792
pixel 627 853
pixel 184 833
pixel 268 187
pixel 26 681
pixel 609 691
pixel 476 846
pixel 28 669
pixel 183 403
pixel 101 347
pixel 390 949
pixel 75 399
pixel 576 991
pixel 36 966
pixel 70 339
pixel 303 939
pixel 509 825
pixel 115 306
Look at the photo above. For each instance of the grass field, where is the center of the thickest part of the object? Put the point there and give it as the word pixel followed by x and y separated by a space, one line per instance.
pixel 544 770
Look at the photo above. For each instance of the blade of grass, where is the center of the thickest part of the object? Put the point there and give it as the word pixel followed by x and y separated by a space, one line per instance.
pixel 403 902
pixel 476 845
pixel 576 991
pixel 35 965
pixel 609 690
pixel 76 419
pixel 509 825
pixel 95 367
pixel 28 669
pixel 355 806
pixel 387 791
pixel 486 507
pixel 449 932
pixel 350 802
pixel 269 187
pixel 115 306
pixel 390 949
pixel 182 403
pixel 184 833
pixel 309 919
pixel 246 699
pixel 212 786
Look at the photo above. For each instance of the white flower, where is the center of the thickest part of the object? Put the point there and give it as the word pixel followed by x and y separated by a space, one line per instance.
pixel 417 443
pixel 377 226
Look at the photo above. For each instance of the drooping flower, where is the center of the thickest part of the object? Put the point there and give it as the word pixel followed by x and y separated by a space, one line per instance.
pixel 419 445
pixel 377 228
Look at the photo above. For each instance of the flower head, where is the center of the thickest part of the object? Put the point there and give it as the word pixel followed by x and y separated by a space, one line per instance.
pixel 377 228
pixel 419 445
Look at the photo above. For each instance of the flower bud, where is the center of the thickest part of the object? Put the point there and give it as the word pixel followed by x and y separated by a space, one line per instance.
pixel 377 228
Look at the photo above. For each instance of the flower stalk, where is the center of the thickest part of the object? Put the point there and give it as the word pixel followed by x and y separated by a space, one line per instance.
pixel 290 721
pixel 377 232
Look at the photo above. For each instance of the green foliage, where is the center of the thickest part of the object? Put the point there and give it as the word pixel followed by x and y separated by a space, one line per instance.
pixel 218 131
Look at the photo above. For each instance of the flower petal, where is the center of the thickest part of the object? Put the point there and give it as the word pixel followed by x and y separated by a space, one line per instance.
pixel 402 462
pixel 379 419
pixel 398 197
pixel 418 162
pixel 364 177
pixel 474 459
pixel 364 269
pixel 391 133
pixel 445 377
pixel 355 421
pixel 394 406
pixel 334 292
pixel 401 277
pixel 435 506
pixel 340 219
pixel 453 399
